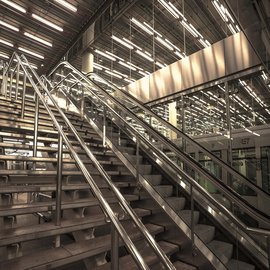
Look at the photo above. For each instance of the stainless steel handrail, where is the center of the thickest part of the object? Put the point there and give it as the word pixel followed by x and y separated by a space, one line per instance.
pixel 160 253
pixel 258 215
pixel 104 204
pixel 186 137
pixel 163 157
pixel 190 180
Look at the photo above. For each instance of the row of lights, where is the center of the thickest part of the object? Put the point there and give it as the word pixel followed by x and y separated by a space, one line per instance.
pixel 177 14
pixel 39 39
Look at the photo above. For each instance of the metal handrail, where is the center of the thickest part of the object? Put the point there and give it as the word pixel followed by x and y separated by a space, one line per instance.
pixel 159 252
pixel 257 214
pixel 172 165
pixel 216 159
pixel 104 204
pixel 163 157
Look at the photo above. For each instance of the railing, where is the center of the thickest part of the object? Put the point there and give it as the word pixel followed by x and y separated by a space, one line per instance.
pixel 117 228
pixel 97 93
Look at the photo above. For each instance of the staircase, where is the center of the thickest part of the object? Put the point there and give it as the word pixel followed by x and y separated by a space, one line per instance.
pixel 30 238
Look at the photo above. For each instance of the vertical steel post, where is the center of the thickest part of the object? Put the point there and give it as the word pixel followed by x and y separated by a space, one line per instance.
pixel 3 87
pixel 59 186
pixel 23 95
pixel 192 216
pixel 137 159
pixel 104 127
pixel 10 84
pixel 35 129
pixel 268 250
pixel 82 103
pixel 17 81
pixel 114 248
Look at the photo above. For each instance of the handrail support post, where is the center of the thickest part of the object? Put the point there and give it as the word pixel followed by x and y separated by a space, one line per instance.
pixel 114 248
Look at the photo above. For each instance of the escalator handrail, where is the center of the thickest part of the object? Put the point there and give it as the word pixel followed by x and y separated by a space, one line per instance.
pixel 257 214
pixel 103 203
pixel 216 159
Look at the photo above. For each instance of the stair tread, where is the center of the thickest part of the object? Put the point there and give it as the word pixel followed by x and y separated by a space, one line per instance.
pixel 17 209
pixel 127 262
pixel 239 265
pixel 26 233
pixel 71 252
pixel 222 250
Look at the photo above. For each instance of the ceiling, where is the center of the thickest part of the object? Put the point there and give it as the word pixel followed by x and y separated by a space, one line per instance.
pixel 158 32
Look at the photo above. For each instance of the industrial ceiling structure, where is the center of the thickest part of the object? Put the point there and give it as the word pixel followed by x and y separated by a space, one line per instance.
pixel 132 38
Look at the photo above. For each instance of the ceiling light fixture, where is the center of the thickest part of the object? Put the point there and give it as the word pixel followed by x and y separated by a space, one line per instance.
pixel 14 5
pixel 128 80
pixel 113 74
pixel 2 55
pixel 31 53
pixel 128 41
pixel 163 42
pixel 105 55
pixel 152 29
pixel 144 28
pixel 100 66
pixel 180 55
pixel 97 67
pixel 160 65
pixel 190 29
pixel 177 11
pixel 131 64
pixel 6 42
pixel 172 45
pixel 115 56
pixel 48 23
pixel 146 56
pixel 122 42
pixel 7 25
pixel 66 5
pixel 41 40
pixel 169 8
pixel 127 65
pixel 143 73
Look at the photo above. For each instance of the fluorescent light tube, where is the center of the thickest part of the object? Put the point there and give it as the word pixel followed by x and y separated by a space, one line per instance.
pixel 120 73
pixel 129 81
pixel 166 5
pixel 128 41
pixel 122 42
pixel 231 28
pixel 97 67
pixel 48 23
pixel 151 28
pixel 195 30
pixel 189 29
pixel 163 42
pixel 203 43
pixel 127 65
pixel 100 66
pixel 180 55
pixel 143 73
pixel 172 45
pixel 6 42
pixel 41 40
pixel 4 56
pixel 31 53
pixel 14 5
pixel 144 28
pixel 115 56
pixel 237 27
pixel 177 11
pixel 7 25
pixel 113 74
pixel 134 66
pixel 220 11
pixel 66 5
pixel 159 64
pixel 145 55
pixel 105 55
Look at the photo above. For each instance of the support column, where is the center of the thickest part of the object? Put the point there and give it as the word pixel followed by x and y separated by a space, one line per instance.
pixel 88 58
pixel 173 119
pixel 87 62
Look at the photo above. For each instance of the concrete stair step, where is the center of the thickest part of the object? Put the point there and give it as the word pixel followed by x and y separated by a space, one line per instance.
pixel 239 265
pixel 28 208
pixel 27 233
pixel 56 257
pixel 205 232
pixel 183 266
pixel 164 190
pixel 154 179
pixel 176 203
pixel 127 262
pixel 186 216
pixel 222 250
